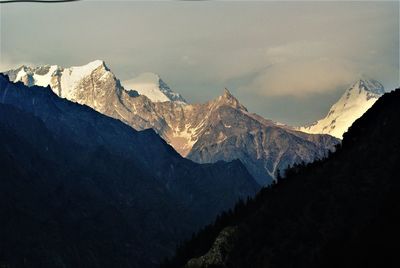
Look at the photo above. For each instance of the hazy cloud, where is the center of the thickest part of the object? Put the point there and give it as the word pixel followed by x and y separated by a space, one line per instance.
pixel 300 78
pixel 6 64
pixel 265 52
pixel 302 68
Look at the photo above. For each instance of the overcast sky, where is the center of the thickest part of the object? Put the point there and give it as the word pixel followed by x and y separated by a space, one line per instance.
pixel 287 61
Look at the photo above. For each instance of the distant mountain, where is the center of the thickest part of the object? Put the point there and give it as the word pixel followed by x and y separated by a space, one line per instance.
pixel 338 212
pixel 221 129
pixel 68 82
pixel 80 189
pixel 230 132
pixel 153 87
pixel 65 82
pixel 352 105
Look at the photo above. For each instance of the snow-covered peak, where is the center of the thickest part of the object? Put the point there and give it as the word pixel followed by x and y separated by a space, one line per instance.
pixel 20 73
pixel 369 85
pixel 86 69
pixel 65 82
pixel 153 87
pixel 96 63
pixel 355 101
pixel 40 76
pixel 361 91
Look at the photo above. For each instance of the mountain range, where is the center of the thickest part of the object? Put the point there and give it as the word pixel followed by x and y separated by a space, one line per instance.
pixel 81 189
pixel 221 129
pixel 341 211
pixel 88 182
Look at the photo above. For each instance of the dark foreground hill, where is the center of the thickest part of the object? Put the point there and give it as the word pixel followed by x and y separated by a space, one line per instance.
pixel 339 212
pixel 79 189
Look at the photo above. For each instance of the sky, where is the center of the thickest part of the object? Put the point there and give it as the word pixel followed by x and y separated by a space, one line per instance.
pixel 287 61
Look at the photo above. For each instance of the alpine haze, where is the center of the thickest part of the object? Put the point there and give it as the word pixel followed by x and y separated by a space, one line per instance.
pixel 283 60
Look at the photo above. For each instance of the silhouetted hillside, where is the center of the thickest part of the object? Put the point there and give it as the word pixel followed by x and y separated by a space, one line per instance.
pixel 338 212
pixel 80 189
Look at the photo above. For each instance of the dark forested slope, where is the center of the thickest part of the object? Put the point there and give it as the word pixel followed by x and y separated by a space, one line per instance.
pixel 339 212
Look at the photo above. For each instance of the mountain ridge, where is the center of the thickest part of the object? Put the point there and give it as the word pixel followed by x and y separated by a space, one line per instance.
pixel 205 132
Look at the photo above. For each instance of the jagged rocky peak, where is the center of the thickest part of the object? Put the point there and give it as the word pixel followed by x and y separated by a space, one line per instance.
pixel 227 94
pixel 228 99
pixel 152 86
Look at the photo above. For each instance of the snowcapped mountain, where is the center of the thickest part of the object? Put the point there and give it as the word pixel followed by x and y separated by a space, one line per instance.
pixel 65 82
pixel 352 105
pixel 68 82
pixel 221 129
pixel 153 87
